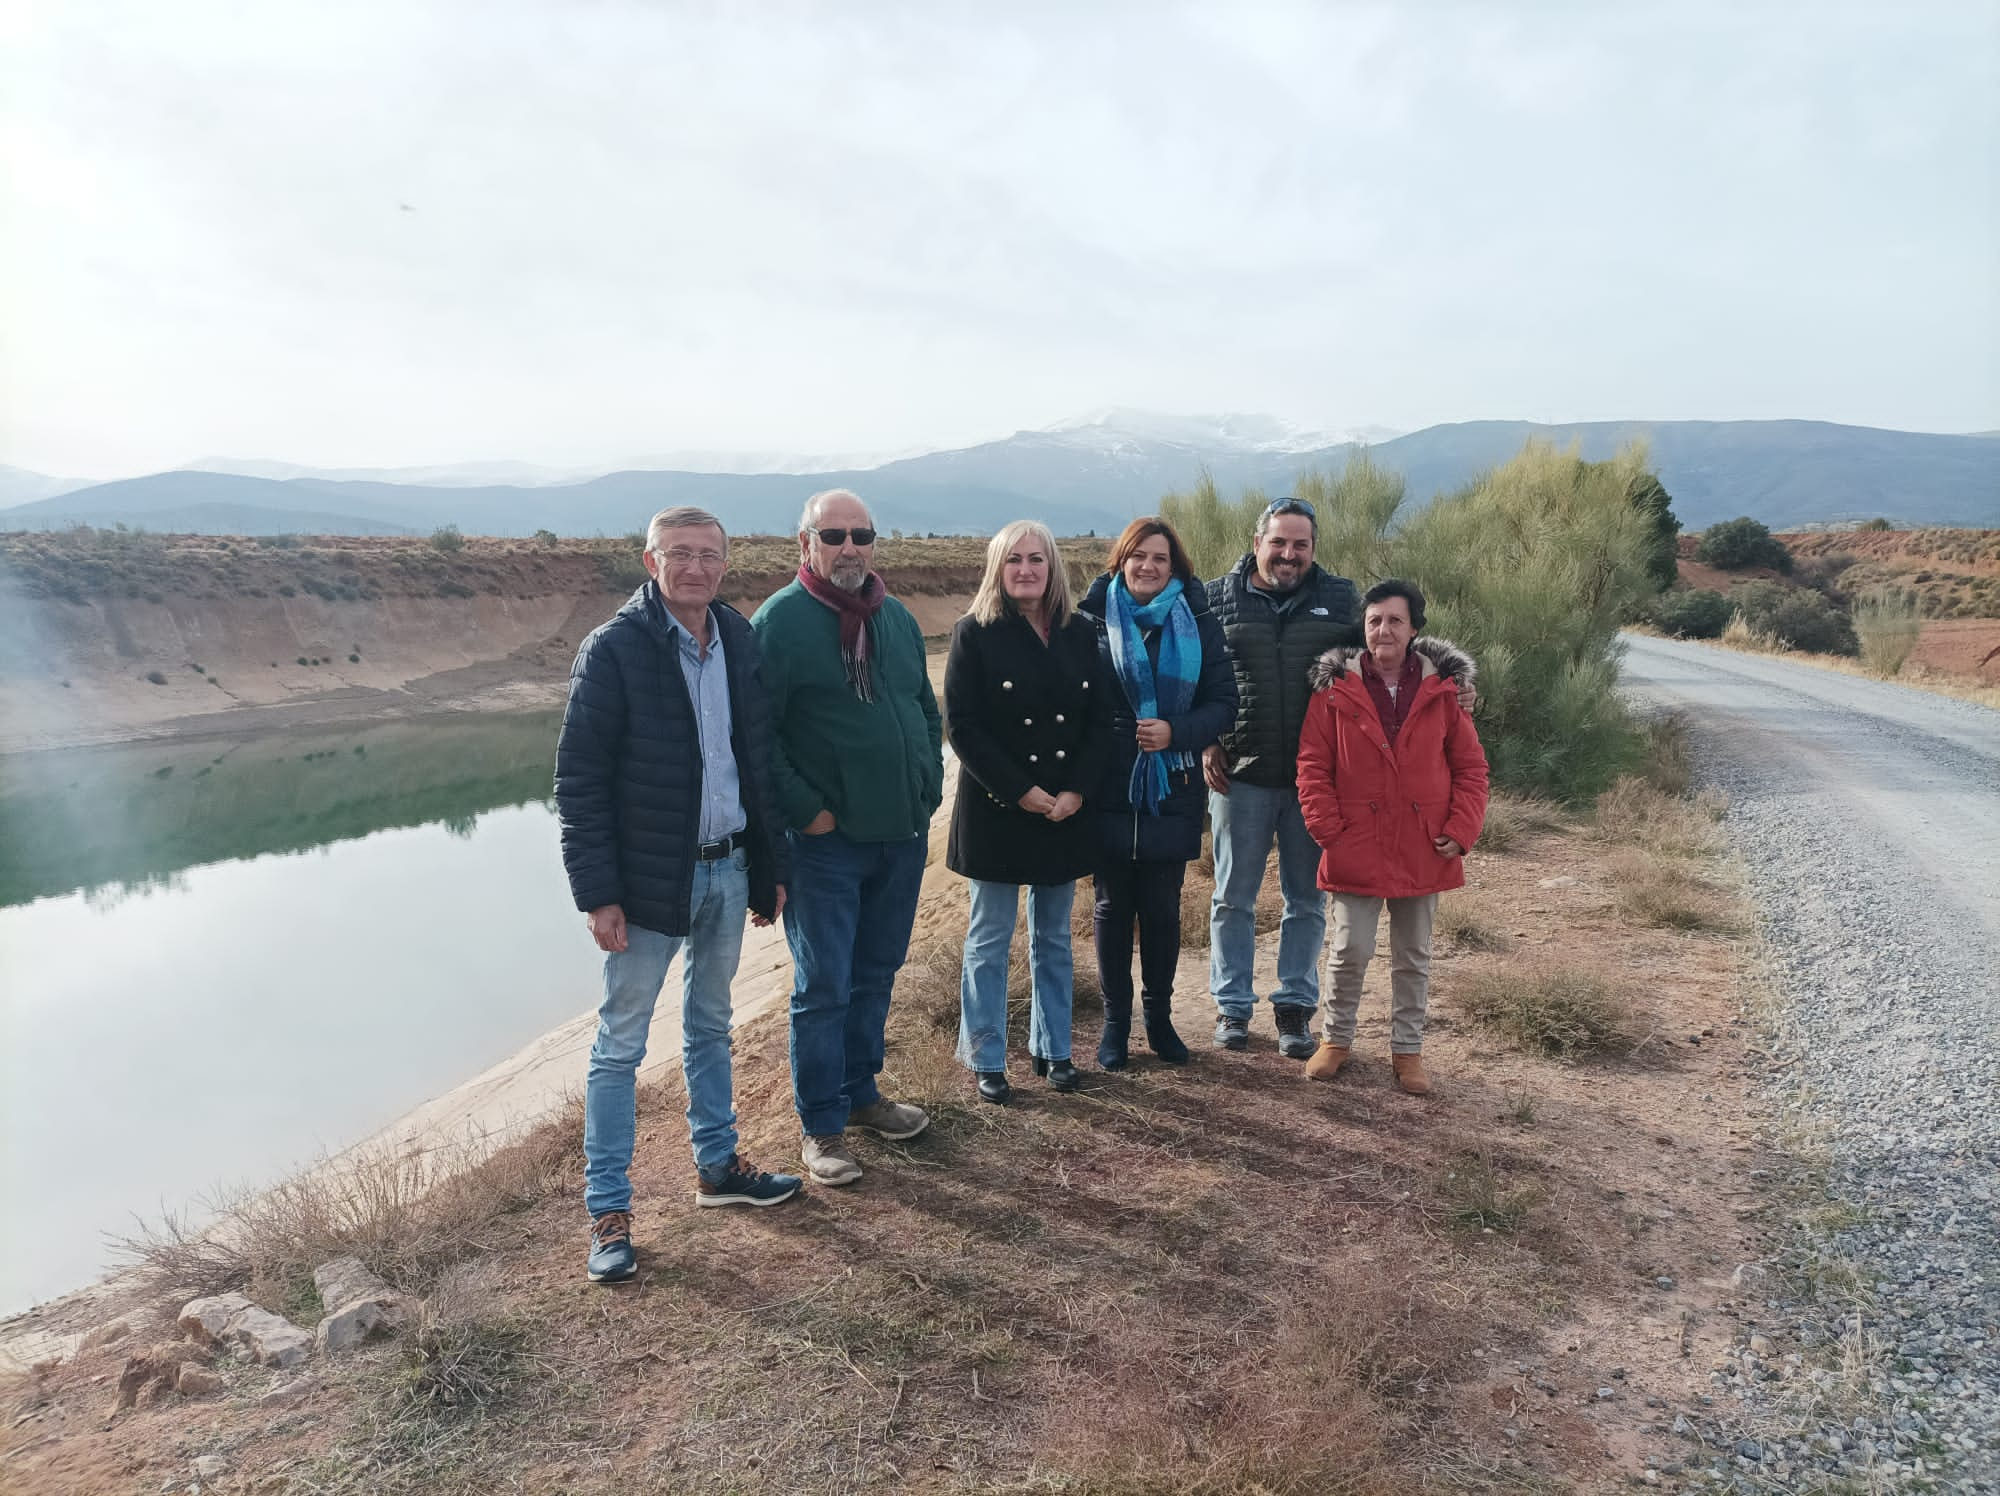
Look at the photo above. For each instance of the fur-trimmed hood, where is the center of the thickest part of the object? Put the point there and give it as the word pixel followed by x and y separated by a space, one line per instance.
pixel 1439 656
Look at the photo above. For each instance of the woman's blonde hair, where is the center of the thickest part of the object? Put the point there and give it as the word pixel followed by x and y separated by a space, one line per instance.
pixel 990 602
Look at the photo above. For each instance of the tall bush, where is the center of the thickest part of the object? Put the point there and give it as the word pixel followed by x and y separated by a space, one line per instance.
pixel 1738 544
pixel 1663 529
pixel 1696 613
pixel 1352 509
pixel 1795 617
pixel 1887 626
pixel 1531 568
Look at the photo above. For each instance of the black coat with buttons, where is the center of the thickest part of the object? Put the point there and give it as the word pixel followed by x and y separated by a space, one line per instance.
pixel 1022 714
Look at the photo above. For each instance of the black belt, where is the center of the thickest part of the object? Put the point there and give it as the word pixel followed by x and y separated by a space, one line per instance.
pixel 711 851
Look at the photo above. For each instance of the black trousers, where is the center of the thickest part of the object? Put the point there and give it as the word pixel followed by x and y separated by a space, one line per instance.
pixel 1150 893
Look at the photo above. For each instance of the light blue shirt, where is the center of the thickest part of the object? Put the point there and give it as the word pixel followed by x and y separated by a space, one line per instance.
pixel 708 691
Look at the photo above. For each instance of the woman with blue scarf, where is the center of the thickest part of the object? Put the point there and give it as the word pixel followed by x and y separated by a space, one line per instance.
pixel 1176 695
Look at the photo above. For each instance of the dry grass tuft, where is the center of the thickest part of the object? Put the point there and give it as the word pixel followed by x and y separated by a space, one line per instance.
pixel 1512 819
pixel 1667 893
pixel 1465 922
pixel 1668 763
pixel 1561 1011
pixel 407 1215
pixel 1635 813
pixel 1477 1197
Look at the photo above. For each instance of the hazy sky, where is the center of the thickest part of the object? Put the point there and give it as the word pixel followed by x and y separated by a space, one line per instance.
pixel 361 233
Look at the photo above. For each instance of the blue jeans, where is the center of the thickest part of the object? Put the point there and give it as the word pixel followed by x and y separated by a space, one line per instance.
pixel 982 983
pixel 848 913
pixel 632 981
pixel 1246 820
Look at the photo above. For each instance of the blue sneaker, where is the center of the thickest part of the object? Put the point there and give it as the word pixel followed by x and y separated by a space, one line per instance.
pixel 612 1259
pixel 740 1182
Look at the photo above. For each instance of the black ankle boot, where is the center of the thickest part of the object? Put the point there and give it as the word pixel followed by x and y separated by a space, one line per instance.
pixel 993 1087
pixel 1113 1046
pixel 1160 1033
pixel 1063 1076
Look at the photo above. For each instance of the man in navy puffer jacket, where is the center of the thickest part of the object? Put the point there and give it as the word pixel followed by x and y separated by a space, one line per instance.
pixel 670 835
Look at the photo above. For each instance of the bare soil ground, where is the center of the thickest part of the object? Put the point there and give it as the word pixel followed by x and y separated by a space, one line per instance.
pixel 109 637
pixel 1214 1278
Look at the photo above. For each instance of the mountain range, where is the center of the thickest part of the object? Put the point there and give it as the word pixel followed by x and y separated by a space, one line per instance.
pixel 1087 475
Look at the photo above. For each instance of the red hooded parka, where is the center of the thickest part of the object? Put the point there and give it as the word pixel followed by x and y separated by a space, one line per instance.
pixel 1374 809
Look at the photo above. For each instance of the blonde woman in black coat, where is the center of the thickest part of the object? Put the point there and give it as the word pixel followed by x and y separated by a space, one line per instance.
pixel 1029 719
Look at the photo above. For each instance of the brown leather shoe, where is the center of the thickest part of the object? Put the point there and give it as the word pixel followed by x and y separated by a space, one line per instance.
pixel 1326 1061
pixel 1410 1075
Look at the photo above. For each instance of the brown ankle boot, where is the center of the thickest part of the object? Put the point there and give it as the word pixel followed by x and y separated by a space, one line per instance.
pixel 1326 1061
pixel 1410 1075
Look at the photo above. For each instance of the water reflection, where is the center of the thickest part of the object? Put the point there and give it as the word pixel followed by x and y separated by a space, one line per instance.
pixel 128 817
pixel 327 938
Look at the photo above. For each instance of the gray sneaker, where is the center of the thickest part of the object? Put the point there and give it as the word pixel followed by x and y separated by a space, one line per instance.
pixel 894 1120
pixel 828 1160
pixel 1232 1033
pixel 1295 1040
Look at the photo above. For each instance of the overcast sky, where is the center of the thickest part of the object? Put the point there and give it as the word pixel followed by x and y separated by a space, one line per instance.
pixel 405 232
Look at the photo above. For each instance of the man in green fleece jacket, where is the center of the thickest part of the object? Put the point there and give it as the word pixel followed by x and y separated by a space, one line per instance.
pixel 858 764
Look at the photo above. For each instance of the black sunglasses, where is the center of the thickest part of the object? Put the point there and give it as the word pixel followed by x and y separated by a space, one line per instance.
pixel 1290 506
pixel 861 533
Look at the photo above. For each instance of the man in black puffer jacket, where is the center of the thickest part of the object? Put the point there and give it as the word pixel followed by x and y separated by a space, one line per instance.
pixel 1279 612
pixel 670 834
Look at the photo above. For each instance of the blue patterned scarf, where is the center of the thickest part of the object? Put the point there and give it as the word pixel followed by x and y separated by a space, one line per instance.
pixel 1166 692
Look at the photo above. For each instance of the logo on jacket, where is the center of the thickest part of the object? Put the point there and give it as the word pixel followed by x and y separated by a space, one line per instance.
pixel 1317 612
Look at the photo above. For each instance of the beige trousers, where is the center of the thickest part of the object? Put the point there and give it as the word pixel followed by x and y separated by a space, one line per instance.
pixel 1355 919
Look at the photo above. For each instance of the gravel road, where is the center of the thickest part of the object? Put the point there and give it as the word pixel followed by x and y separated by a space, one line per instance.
pixel 1868 815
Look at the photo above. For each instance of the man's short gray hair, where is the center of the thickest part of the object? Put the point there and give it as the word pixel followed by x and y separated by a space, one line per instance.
pixel 809 518
pixel 681 517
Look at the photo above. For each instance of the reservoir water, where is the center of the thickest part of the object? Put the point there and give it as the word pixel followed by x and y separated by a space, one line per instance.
pixel 219 961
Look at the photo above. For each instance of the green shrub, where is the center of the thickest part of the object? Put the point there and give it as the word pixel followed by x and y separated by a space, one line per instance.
pixel 1650 497
pixel 1737 544
pixel 545 537
pixel 1490 559
pixel 1697 613
pixel 1796 618
pixel 1877 523
pixel 447 538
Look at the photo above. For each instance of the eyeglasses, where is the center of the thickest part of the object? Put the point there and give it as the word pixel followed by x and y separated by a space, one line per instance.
pixel 1290 506
pixel 681 556
pixel 837 536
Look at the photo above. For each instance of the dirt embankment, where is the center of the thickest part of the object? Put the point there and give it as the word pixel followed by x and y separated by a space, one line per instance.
pixel 107 636
pixel 1953 574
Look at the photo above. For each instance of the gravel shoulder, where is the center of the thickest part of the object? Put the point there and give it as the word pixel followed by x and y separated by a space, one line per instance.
pixel 1868 817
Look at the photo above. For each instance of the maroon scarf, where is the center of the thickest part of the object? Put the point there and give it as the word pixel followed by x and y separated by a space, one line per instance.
pixel 1392 709
pixel 853 609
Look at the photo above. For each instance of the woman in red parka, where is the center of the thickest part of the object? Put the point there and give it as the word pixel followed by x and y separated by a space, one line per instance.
pixel 1392 782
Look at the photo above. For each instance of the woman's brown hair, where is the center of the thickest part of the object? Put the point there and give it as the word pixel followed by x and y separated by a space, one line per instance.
pixel 1145 527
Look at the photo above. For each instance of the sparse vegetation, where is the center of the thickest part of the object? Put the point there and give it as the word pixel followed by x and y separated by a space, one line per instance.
pixel 408 1216
pixel 1656 889
pixel 1477 1197
pixel 446 538
pixel 1563 1011
pixel 1511 819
